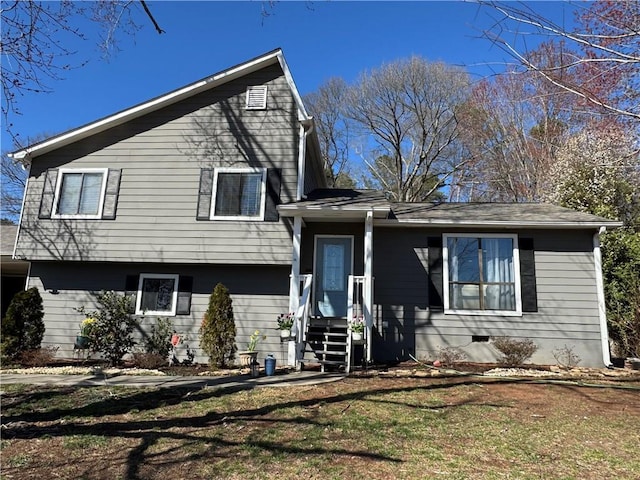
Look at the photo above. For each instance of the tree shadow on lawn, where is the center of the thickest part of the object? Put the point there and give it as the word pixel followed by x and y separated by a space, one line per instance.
pixel 140 400
pixel 150 432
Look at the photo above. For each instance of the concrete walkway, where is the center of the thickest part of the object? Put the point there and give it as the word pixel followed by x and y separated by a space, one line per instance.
pixel 162 381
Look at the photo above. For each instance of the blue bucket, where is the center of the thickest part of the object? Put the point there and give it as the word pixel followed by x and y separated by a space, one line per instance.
pixel 270 365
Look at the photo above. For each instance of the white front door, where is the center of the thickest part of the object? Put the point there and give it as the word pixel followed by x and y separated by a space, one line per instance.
pixel 333 265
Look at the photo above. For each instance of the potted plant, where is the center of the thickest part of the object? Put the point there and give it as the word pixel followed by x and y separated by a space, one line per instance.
pixel 86 327
pixel 250 355
pixel 357 328
pixel 285 323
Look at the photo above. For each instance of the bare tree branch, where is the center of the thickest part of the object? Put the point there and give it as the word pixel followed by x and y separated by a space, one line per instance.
pixel 606 51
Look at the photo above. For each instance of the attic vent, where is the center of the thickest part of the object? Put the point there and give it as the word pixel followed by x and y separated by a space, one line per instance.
pixel 257 97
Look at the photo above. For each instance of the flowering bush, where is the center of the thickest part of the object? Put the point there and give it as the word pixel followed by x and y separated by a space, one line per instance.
pixel 254 339
pixel 357 324
pixel 112 330
pixel 285 321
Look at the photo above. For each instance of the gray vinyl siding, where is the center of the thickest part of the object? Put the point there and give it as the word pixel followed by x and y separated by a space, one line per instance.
pixel 161 155
pixel 259 294
pixel 567 301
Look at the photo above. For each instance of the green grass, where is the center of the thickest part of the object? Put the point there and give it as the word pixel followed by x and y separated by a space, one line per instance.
pixel 359 428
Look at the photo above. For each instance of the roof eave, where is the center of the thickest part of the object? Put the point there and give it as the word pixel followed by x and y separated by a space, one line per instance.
pixel 331 211
pixel 498 224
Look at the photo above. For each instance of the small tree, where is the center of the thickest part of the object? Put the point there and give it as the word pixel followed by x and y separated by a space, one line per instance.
pixel 218 329
pixel 112 333
pixel 23 325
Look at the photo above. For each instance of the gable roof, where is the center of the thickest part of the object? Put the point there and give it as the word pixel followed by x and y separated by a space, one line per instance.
pixel 212 81
pixel 344 203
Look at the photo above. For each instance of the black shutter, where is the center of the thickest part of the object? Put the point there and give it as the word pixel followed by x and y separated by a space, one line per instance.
pixel 436 302
pixel 131 290
pixel 273 195
pixel 204 194
pixel 528 275
pixel 48 193
pixel 185 286
pixel 111 194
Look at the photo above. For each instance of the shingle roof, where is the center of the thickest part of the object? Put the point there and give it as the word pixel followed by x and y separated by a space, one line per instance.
pixel 335 202
pixel 529 213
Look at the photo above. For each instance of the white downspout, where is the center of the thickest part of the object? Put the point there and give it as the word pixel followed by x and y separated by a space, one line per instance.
pixel 602 309
pixel 18 230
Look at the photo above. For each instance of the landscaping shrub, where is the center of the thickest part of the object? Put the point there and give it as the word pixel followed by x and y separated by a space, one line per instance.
pixel 218 329
pixel 158 341
pixel 450 355
pixel 40 357
pixel 565 357
pixel 23 325
pixel 149 360
pixel 515 352
pixel 112 333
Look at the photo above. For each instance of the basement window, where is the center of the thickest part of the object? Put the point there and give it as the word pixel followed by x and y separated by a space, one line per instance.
pixel 157 294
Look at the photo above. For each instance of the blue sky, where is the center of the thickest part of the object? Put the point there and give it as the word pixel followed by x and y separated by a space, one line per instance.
pixel 319 39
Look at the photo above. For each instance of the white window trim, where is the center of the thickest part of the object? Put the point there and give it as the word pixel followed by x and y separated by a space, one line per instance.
pixel 263 91
pixel 263 194
pixel 103 189
pixel 174 297
pixel 516 271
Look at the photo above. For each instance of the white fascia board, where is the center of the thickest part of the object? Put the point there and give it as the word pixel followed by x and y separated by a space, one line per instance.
pixel 302 112
pixel 499 224
pixel 149 106
pixel 317 212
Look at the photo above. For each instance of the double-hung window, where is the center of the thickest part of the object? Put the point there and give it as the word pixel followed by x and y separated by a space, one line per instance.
pixel 482 274
pixel 157 294
pixel 80 193
pixel 239 194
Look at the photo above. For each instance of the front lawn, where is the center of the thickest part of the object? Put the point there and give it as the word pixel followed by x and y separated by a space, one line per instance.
pixel 369 428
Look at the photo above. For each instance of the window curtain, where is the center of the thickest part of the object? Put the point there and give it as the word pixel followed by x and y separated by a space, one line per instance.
pixel 497 258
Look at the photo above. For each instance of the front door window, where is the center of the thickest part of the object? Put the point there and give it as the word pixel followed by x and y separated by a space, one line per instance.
pixel 333 267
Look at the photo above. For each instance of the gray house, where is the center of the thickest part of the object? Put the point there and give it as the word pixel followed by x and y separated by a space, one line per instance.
pixel 222 181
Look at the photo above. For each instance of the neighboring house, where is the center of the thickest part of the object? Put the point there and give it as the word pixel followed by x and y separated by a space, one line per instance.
pixel 14 272
pixel 222 181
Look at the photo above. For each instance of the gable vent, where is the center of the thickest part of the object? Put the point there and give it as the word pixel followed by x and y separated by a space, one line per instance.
pixel 257 97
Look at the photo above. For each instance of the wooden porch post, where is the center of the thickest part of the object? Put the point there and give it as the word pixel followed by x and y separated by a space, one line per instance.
pixel 367 294
pixel 294 287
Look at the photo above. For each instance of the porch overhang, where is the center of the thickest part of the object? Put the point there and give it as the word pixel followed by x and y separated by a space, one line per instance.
pixel 310 213
pixel 338 205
